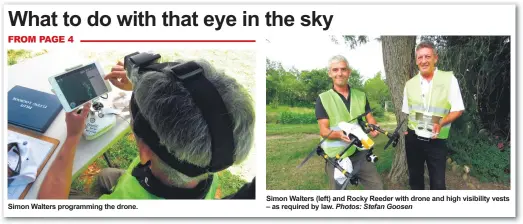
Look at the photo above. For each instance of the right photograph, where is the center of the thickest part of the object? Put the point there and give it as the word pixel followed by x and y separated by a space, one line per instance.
pixel 355 112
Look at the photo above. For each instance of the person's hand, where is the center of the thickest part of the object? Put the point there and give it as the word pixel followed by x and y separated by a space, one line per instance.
pixel 374 133
pixel 435 130
pixel 76 122
pixel 344 137
pixel 118 77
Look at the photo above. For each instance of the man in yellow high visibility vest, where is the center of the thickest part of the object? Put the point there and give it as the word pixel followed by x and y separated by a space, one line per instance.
pixel 432 100
pixel 176 140
pixel 343 103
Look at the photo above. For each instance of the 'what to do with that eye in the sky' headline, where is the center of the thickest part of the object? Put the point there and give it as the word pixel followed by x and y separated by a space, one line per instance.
pixel 168 18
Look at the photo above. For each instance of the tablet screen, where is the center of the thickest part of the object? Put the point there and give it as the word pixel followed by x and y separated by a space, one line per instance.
pixel 81 85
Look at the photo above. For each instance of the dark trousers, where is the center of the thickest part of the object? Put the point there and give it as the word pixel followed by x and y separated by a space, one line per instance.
pixel 368 175
pixel 434 153
pixel 107 180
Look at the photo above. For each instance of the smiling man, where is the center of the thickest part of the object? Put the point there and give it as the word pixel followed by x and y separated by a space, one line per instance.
pixel 432 100
pixel 343 103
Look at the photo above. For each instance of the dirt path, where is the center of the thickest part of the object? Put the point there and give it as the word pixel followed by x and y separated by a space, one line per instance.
pixel 304 136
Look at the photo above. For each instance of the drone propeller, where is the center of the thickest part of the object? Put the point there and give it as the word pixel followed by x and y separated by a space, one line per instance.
pixel 308 157
pixel 359 116
pixel 314 150
pixel 395 136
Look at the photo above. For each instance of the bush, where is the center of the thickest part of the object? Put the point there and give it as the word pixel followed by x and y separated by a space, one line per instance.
pixel 488 163
pixel 288 117
pixel 377 109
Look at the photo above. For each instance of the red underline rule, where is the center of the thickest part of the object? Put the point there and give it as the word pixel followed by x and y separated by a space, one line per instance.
pixel 167 41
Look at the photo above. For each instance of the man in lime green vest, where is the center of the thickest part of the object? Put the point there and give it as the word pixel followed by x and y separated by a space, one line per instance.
pixel 343 103
pixel 432 100
pixel 182 141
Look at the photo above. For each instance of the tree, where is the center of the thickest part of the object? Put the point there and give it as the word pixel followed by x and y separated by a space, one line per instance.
pixel 351 41
pixel 398 60
pixel 315 82
pixel 377 93
pixel 355 79
pixel 377 90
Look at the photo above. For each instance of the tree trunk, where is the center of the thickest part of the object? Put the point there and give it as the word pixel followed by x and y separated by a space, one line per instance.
pixel 398 60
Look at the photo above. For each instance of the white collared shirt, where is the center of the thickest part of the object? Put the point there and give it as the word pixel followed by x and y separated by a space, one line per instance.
pixel 455 99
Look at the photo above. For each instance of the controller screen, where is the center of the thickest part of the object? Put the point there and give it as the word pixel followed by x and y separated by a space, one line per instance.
pixel 81 85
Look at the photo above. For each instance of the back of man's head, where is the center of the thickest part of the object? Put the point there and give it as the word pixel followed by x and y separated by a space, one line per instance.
pixel 179 124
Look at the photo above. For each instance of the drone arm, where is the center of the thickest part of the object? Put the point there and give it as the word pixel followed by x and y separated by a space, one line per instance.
pixel 338 156
pixel 335 164
pixel 379 129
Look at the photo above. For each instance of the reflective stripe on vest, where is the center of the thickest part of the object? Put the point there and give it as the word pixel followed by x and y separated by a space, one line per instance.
pixel 438 95
pixel 337 112
pixel 129 188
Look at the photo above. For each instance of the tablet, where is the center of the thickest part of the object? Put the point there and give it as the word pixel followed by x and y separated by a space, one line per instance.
pixel 79 85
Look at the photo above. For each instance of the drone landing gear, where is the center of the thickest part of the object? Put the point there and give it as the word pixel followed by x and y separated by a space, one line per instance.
pixel 352 177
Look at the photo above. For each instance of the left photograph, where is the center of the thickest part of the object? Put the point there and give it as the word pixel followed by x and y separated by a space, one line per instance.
pixel 113 124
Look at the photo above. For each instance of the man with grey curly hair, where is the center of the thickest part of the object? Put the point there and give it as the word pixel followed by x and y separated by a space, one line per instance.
pixel 181 140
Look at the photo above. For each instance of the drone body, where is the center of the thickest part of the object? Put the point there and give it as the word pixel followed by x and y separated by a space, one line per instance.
pixel 355 131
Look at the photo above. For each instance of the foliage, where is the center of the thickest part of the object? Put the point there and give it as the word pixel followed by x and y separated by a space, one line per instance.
pixel 288 117
pixel 377 109
pixel 299 88
pixel 351 41
pixel 377 90
pixel 15 56
pixel 274 113
pixel 377 93
pixel 229 183
pixel 488 163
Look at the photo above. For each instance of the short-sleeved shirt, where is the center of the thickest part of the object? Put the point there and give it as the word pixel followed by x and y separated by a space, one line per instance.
pixel 321 113
pixel 455 99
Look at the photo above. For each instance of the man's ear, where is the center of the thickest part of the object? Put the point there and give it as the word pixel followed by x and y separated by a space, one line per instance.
pixel 144 150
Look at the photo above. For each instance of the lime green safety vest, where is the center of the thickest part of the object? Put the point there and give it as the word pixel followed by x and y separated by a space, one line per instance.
pixel 437 104
pixel 337 112
pixel 129 188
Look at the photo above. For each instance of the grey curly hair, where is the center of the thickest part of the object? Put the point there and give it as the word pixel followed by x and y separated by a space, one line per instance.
pixel 179 124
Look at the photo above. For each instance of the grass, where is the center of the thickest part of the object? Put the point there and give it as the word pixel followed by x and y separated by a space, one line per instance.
pixel 388 117
pixel 229 184
pixel 287 147
pixel 289 144
pixel 280 129
pixel 121 155
pixel 16 56
pixel 273 113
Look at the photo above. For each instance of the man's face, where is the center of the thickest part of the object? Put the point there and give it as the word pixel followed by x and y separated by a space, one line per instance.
pixel 339 73
pixel 426 60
